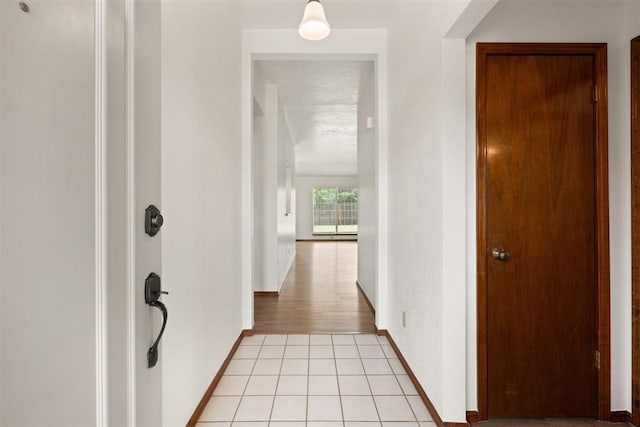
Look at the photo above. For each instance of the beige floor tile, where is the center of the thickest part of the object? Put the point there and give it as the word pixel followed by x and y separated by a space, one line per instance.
pixel 354 385
pixel 394 408
pixel 220 408
pixel 322 367
pixel 377 367
pixel 240 367
pixel 254 408
pixel 343 340
pixel 419 409
pixel 296 352
pixel 298 339
pixel 384 385
pixel 359 408
pixel 323 385
pixel 231 385
pixel 289 408
pixel 275 340
pixel 320 340
pixel 346 352
pixel 261 385
pixel 349 366
pixel 293 385
pixel 324 408
pixel 295 367
pixel 267 367
pixel 253 340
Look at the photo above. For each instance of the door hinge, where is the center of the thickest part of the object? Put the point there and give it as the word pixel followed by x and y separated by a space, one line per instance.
pixel 596 96
pixel 597 359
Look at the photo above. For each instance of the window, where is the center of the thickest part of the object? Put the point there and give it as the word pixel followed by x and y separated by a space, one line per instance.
pixel 335 211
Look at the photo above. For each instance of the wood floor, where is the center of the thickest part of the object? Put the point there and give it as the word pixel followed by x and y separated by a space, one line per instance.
pixel 319 294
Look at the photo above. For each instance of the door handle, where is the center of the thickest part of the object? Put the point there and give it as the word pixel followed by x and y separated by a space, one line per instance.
pixel 152 293
pixel 499 254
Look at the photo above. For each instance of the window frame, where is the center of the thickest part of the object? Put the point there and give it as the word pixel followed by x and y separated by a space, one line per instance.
pixel 336 232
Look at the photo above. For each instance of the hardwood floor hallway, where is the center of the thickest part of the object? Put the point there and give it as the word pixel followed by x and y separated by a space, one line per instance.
pixel 319 294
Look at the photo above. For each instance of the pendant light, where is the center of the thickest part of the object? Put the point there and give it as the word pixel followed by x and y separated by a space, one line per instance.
pixel 314 25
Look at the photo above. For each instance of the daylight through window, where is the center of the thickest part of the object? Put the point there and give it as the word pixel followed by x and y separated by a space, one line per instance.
pixel 335 211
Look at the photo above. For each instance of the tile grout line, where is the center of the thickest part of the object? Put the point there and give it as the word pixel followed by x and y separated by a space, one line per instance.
pixel 335 364
pixel 275 392
pixel 306 417
pixel 404 394
pixel 366 376
pixel 255 362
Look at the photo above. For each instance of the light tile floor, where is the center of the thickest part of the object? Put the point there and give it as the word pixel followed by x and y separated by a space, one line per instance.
pixel 315 381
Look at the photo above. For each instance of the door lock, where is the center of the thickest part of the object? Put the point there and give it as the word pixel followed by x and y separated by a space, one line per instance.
pixel 499 254
pixel 153 220
pixel 152 292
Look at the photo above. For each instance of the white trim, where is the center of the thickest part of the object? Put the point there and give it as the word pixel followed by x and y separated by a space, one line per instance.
pixel 286 44
pixel 100 182
pixel 130 207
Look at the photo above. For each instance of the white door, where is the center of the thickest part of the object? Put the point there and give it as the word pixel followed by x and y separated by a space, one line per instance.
pixel 146 191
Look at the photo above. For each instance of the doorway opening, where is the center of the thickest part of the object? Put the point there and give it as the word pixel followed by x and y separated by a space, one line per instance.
pixel 534 300
pixel 315 194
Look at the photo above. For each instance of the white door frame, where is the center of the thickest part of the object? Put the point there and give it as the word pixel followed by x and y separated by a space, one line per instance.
pixel 287 44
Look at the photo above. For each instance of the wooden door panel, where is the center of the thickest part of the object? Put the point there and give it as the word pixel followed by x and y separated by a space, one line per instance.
pixel 541 207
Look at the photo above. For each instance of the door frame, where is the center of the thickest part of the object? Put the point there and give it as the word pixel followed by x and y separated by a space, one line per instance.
pixel 635 224
pixel 599 52
pixel 370 44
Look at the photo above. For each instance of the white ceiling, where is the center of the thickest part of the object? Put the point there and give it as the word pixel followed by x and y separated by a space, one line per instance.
pixel 320 100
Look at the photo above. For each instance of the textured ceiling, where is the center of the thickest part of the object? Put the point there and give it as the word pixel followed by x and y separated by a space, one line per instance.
pixel 320 100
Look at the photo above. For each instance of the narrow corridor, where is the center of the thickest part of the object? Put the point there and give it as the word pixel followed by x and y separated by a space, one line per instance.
pixel 319 294
pixel 317 380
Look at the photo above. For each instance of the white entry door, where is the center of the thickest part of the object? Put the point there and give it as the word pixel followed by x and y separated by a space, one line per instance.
pixel 144 168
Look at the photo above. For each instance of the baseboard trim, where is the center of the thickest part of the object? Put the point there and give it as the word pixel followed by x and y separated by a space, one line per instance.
pixel 473 416
pixel 620 417
pixel 366 298
pixel 214 383
pixel 266 293
pixel 423 395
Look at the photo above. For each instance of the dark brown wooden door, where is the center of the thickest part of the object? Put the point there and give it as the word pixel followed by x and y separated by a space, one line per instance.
pixel 541 209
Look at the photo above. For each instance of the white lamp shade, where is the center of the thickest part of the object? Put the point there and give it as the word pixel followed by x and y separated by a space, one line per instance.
pixel 314 25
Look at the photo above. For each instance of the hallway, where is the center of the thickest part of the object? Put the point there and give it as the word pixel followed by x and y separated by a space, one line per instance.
pixel 319 294
pixel 321 380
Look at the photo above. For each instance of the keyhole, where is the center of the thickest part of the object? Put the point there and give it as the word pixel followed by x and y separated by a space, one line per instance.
pixel 24 7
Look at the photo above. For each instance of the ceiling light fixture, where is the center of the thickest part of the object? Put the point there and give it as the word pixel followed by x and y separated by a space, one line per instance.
pixel 314 25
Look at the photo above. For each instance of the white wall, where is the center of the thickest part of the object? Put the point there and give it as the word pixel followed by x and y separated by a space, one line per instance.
pixel 286 224
pixel 553 21
pixel 265 181
pixel 415 204
pixel 47 195
pixel 201 198
pixel 274 229
pixel 259 123
pixel 367 198
pixel 304 203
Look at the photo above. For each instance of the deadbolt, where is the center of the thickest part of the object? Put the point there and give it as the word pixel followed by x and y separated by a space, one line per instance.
pixel 153 220
pixel 499 254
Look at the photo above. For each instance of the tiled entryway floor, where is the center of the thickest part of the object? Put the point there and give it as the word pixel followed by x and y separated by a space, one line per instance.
pixel 315 381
